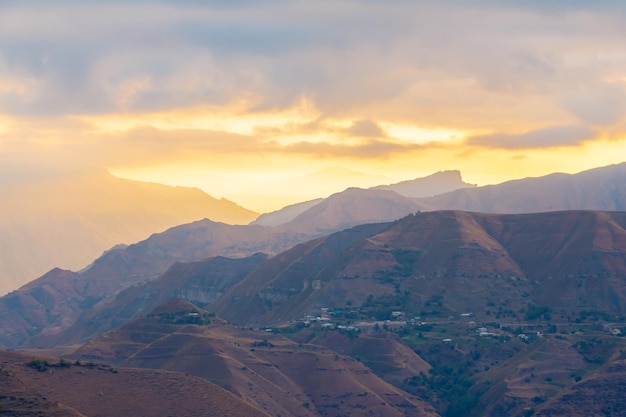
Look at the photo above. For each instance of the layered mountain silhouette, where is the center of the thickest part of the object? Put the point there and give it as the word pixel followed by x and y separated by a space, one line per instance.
pixel 341 209
pixel 461 261
pixel 438 183
pixel 54 301
pixel 374 303
pixel 68 220
pixel 596 189
pixel 68 227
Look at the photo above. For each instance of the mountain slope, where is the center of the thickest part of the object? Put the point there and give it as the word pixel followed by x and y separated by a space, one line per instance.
pixel 53 302
pixel 596 189
pixel 200 283
pixel 438 183
pixel 66 389
pixel 67 221
pixel 271 372
pixel 286 214
pixel 567 260
pixel 349 208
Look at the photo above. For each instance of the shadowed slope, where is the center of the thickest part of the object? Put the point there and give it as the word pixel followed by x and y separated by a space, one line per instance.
pixel 54 301
pixel 201 283
pixel 568 260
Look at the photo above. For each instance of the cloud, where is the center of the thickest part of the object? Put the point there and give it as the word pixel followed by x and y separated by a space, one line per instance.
pixel 354 58
pixel 154 145
pixel 499 66
pixel 600 104
pixel 376 149
pixel 366 128
pixel 549 137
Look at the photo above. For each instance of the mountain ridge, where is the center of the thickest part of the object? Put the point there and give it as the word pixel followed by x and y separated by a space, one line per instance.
pixel 67 221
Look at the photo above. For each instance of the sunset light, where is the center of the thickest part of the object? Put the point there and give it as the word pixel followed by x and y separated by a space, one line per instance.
pixel 193 93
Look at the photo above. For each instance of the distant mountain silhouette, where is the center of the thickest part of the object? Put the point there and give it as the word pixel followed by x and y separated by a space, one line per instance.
pixel 596 189
pixel 349 208
pixel 438 183
pixel 286 214
pixel 52 303
pixel 68 220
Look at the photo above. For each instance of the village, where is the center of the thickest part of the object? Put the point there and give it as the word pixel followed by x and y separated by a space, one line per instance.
pixel 445 330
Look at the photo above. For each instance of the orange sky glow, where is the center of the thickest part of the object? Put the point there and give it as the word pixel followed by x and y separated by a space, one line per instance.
pixel 271 103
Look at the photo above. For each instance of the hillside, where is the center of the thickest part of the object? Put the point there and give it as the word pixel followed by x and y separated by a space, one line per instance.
pixel 68 220
pixel 464 261
pixel 54 301
pixel 200 283
pixel 569 261
pixel 267 370
pixel 401 369
pixel 31 388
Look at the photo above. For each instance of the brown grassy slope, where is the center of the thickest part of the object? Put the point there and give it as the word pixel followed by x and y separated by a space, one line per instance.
pixel 105 391
pixel 267 370
pixel 384 353
pixel 23 314
pixel 578 257
pixel 442 244
pixel 20 399
pixel 602 394
pixel 200 283
pixel 566 260
pixel 541 371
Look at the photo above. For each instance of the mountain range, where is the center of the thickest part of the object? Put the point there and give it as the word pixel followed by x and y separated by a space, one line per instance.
pixel 53 302
pixel 68 220
pixel 596 189
pixel 367 301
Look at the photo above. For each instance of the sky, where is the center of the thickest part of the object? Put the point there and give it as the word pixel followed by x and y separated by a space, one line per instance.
pixel 268 103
